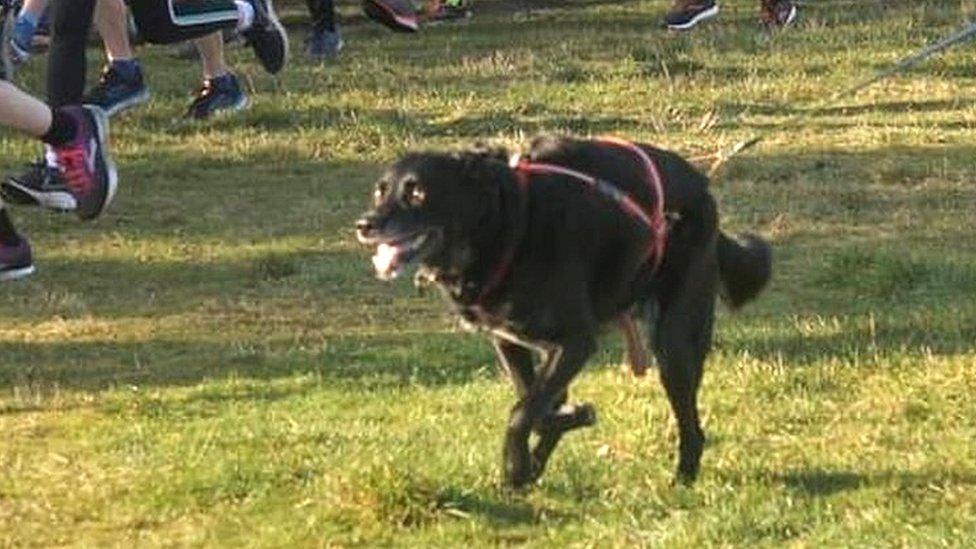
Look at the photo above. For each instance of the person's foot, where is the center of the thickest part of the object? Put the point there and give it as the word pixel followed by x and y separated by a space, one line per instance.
pixel 222 93
pixel 120 87
pixel 778 13
pixel 21 37
pixel 85 164
pixel 323 44
pixel 398 15
pixel 439 11
pixel 15 261
pixel 267 37
pixel 687 13
pixel 39 185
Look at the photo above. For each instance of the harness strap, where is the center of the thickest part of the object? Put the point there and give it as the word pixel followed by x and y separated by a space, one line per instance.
pixel 505 264
pixel 655 182
pixel 655 220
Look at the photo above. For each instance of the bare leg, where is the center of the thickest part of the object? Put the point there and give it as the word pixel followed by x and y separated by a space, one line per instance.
pixel 23 112
pixel 211 48
pixel 112 25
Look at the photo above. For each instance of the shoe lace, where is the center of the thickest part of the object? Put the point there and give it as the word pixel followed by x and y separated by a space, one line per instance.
pixel 72 163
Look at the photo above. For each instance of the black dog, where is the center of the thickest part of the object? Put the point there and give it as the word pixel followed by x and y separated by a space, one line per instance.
pixel 541 260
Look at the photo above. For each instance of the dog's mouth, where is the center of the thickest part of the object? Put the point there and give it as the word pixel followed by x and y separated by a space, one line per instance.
pixel 393 256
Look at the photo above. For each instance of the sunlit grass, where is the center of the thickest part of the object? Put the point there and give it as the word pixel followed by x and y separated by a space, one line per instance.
pixel 213 364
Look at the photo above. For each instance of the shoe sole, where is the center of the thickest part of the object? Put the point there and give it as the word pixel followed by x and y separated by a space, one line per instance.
pixel 791 17
pixel 102 134
pixel 58 201
pixel 127 103
pixel 377 11
pixel 280 29
pixel 241 105
pixel 16 274
pixel 703 16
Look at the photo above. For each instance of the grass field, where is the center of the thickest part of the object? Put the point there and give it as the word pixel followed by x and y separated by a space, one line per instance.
pixel 213 364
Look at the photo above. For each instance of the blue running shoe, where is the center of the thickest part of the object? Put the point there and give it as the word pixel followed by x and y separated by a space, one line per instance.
pixel 15 261
pixel 119 88
pixel 222 93
pixel 323 44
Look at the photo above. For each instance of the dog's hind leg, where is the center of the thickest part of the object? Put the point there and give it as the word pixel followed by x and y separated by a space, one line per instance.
pixel 682 337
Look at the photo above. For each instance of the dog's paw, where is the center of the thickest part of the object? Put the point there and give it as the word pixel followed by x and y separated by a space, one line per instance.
pixel 521 476
pixel 586 413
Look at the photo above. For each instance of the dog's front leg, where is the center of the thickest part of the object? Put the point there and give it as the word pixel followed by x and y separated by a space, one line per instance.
pixel 561 363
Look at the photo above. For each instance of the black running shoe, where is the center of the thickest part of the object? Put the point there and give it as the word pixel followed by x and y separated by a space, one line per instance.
pixel 15 261
pixel 267 37
pixel 39 185
pixel 778 13
pixel 116 92
pixel 687 13
pixel 221 94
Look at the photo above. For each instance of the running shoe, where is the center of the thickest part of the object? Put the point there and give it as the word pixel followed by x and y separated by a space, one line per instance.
pixel 686 14
pixel 398 15
pixel 223 93
pixel 267 37
pixel 21 36
pixel 323 44
pixel 85 164
pixel 39 185
pixel 118 90
pixel 15 261
pixel 778 13
pixel 442 11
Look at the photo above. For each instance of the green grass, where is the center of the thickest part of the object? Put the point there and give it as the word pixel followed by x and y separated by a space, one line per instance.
pixel 213 364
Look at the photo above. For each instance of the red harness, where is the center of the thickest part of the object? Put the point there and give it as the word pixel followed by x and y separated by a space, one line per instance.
pixel 654 219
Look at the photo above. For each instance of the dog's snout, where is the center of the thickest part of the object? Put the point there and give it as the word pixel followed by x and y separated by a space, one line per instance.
pixel 365 227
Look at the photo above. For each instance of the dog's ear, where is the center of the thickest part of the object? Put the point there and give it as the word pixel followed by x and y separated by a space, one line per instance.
pixel 545 147
pixel 491 152
pixel 487 167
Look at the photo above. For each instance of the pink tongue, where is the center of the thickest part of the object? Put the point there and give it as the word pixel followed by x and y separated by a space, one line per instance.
pixel 385 260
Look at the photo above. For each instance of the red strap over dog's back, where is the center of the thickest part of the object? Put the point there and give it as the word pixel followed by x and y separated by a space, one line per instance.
pixel 655 183
pixel 654 219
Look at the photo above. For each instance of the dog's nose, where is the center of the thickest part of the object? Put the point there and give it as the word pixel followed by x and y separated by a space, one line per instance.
pixel 364 227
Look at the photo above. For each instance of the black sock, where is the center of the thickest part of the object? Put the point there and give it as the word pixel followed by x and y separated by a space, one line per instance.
pixel 62 130
pixel 8 234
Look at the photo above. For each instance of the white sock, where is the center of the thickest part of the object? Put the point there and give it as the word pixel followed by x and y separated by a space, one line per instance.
pixel 50 158
pixel 245 15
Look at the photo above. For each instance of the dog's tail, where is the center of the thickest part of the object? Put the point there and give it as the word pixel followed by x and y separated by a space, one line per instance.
pixel 746 265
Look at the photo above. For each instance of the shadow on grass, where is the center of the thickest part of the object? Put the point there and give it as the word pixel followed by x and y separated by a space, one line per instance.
pixel 823 483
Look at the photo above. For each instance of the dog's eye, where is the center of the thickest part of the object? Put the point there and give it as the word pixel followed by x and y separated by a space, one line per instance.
pixel 380 192
pixel 414 194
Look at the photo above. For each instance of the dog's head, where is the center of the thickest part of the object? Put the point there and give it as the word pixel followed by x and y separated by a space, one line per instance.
pixel 432 209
